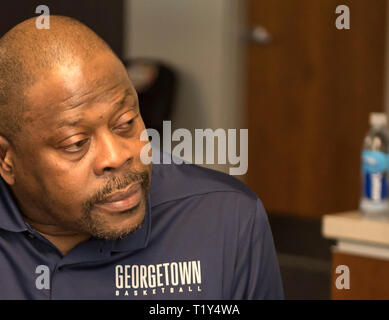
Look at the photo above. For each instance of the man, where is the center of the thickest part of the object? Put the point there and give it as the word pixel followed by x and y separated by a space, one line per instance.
pixel 81 215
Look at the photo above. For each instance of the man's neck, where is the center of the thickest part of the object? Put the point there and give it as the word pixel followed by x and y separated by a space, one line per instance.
pixel 64 241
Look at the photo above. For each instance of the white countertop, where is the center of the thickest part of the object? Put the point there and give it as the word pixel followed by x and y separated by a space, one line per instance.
pixel 351 226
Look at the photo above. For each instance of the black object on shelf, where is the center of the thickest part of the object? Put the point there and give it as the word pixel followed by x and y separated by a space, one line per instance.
pixel 155 83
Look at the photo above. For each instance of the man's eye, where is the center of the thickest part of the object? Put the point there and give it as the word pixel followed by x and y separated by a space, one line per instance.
pixel 126 125
pixel 75 147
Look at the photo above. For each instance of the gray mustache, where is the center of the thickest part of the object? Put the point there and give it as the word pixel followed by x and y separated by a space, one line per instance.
pixel 117 184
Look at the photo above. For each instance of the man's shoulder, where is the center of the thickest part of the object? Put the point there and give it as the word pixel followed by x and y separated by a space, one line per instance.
pixel 178 181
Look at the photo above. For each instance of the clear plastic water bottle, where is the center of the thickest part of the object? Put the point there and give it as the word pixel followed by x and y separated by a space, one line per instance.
pixel 375 160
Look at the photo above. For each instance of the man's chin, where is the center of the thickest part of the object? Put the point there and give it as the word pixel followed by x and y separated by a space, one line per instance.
pixel 115 225
pixel 117 234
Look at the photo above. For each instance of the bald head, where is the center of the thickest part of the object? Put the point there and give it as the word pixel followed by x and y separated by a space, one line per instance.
pixel 28 53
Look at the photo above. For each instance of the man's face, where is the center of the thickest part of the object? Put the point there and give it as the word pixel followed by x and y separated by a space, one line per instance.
pixel 81 144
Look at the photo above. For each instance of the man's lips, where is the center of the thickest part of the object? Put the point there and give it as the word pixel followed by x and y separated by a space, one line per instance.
pixel 123 200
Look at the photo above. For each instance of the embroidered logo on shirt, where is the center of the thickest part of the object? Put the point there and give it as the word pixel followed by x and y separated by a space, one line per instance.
pixel 163 278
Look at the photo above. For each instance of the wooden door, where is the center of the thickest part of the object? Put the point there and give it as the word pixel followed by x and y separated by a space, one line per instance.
pixel 368 277
pixel 309 93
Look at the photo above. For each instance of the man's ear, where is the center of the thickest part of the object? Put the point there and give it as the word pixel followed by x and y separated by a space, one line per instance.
pixel 6 162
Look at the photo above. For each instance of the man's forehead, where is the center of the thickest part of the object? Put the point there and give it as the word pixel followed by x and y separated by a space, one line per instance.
pixel 118 103
pixel 67 87
pixel 58 115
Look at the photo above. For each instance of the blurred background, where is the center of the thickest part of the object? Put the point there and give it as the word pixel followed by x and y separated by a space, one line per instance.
pixel 281 69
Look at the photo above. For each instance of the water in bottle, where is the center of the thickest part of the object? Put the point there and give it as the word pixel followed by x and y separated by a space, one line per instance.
pixel 374 201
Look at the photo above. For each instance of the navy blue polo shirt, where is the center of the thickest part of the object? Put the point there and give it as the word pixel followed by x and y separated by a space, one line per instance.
pixel 205 236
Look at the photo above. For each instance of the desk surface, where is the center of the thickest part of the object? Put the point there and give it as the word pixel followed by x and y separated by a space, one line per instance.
pixel 352 226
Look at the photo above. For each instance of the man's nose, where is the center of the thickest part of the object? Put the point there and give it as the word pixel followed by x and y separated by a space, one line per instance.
pixel 112 152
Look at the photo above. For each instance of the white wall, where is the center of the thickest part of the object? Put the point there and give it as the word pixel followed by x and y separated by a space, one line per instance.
pixel 202 40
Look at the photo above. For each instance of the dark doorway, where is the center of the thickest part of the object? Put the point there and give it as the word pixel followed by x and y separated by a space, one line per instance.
pixel 104 17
